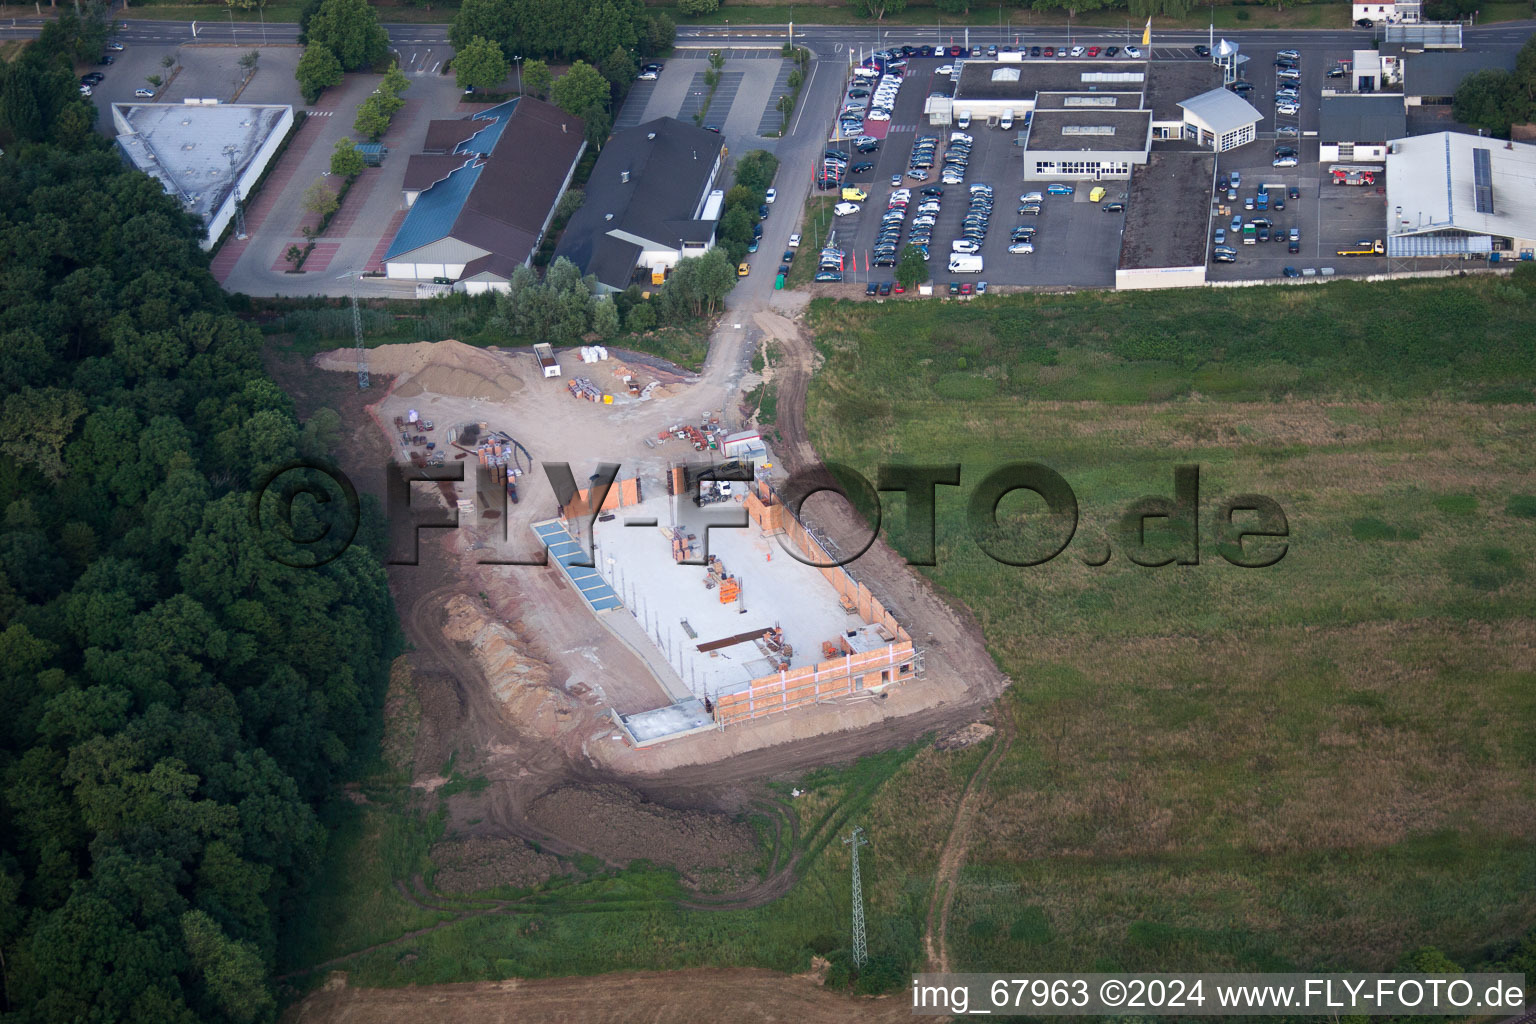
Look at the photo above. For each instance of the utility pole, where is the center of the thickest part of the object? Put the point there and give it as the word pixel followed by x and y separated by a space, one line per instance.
pixel 357 329
pixel 860 952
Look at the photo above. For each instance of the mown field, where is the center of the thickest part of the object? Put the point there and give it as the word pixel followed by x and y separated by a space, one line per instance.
pixel 1327 762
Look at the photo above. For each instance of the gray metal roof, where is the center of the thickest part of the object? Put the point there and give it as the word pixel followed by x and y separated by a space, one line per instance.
pixel 1364 118
pixel 1438 74
pixel 648 183
pixel 1097 131
pixel 1222 110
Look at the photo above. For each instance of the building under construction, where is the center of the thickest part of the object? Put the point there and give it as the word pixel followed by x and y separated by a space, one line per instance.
pixel 745 622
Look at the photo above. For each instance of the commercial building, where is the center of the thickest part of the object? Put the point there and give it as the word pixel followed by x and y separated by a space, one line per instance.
pixel 1430 79
pixel 1220 119
pixel 1167 222
pixel 651 200
pixel 482 193
pixel 1094 136
pixel 1355 129
pixel 1451 194
pixel 207 154
pixel 1096 120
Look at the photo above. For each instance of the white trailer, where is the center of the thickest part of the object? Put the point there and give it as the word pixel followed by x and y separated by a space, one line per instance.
pixel 545 354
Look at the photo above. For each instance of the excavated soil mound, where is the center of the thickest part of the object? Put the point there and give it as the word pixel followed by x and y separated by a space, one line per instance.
pixel 520 681
pixel 966 736
pixel 471 865
pixel 449 368
pixel 618 824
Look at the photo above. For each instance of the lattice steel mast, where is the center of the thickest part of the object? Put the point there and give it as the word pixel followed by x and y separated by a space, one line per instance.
pixel 860 952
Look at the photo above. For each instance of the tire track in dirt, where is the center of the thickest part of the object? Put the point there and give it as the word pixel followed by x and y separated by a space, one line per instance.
pixel 946 877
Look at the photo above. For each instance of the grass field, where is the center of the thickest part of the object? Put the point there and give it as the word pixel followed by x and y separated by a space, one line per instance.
pixel 594 921
pixel 1322 763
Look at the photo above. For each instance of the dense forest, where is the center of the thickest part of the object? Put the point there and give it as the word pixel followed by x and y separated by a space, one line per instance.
pixel 175 705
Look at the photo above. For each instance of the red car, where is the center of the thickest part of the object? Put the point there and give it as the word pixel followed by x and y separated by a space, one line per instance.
pixel 966 289
pixel 898 289
pixel 1050 51
pixel 1093 51
pixel 955 51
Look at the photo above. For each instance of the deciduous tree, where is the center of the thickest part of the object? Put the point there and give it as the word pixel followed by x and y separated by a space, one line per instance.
pixel 480 64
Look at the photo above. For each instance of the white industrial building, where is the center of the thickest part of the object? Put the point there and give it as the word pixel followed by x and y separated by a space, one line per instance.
pixel 207 154
pixel 1220 120
pixel 1451 194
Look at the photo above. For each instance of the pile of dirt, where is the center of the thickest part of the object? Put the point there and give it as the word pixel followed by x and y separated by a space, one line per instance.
pixel 473 865
pixel 966 736
pixel 519 681
pixel 616 823
pixel 449 368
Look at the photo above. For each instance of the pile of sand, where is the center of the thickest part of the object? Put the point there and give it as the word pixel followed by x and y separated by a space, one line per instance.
pixel 520 682
pixel 449 368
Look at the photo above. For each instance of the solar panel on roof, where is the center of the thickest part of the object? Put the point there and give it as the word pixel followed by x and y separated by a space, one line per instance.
pixel 1482 181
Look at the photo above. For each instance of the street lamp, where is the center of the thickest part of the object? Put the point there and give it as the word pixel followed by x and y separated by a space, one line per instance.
pixel 519 62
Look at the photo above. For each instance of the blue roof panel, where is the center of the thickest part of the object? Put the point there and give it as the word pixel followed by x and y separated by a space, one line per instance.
pixel 587 580
pixel 484 141
pixel 435 212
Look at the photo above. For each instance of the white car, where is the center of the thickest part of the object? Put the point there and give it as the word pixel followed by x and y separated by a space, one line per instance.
pixel 115 46
pixel 947 69
pixel 144 94
pixel 1132 51
pixel 845 209
pixel 771 196
pixel 878 115
pixel 1021 247
pixel 85 90
pixel 648 76
pixel 1287 108
pixel 1078 51
pixel 1031 197
pixel 794 241
pixel 964 245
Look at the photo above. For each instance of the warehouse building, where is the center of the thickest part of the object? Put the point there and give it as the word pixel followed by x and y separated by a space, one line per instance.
pixel 1167 222
pixel 1220 120
pixel 207 154
pixel 1452 194
pixel 1430 79
pixel 1355 129
pixel 482 193
pixel 651 200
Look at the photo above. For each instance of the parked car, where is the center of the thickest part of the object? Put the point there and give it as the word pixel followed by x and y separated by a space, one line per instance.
pixel 114 46
pixel 1221 236
pixel 1288 54
pixel 1093 51
pixel 1201 50
pixel 1114 208
pixel 144 94
pixel 1224 254
pixel 1110 51
pixel 85 90
pixel 1293 192
pixel 1284 161
pixel 743 269
pixel 1133 51
pixel 1018 248
pixel 1059 190
pixel 845 209
pixel 105 58
pixel 1034 51
pixel 1290 272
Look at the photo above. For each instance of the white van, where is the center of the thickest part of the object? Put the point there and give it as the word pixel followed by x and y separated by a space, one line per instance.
pixel 1006 123
pixel 960 263
pixel 963 121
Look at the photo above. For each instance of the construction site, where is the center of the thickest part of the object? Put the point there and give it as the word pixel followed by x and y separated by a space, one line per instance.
pixel 752 619
pixel 653 627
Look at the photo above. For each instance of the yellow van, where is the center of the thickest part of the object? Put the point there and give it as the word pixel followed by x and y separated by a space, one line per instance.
pixel 854 195
pixel 1098 193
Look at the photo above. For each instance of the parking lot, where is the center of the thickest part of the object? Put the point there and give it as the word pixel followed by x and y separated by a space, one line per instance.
pixel 1076 242
pixel 1329 217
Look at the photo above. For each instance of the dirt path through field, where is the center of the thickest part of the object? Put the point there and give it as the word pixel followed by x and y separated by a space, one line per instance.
pixel 703 996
